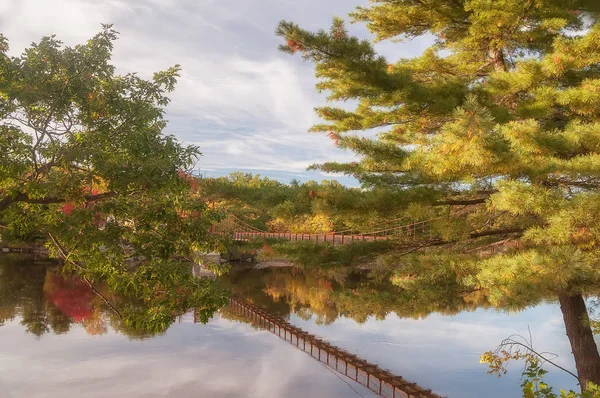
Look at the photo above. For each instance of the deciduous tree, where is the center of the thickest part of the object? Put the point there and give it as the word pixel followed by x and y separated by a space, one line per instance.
pixel 84 165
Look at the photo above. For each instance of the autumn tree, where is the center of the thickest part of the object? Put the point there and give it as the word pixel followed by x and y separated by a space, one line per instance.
pixel 85 166
pixel 497 120
pixel 308 207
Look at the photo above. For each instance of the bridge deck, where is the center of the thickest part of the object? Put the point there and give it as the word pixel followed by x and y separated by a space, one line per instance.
pixel 333 238
pixel 240 230
pixel 369 375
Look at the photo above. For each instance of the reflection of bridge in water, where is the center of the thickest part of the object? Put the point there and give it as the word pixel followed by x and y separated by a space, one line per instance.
pixel 378 380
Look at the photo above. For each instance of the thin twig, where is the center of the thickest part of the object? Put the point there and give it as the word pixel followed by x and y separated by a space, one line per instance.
pixel 510 341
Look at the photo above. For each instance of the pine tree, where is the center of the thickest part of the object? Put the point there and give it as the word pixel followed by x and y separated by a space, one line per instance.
pixel 498 121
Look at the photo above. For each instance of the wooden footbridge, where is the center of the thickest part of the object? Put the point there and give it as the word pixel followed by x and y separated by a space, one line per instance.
pixel 237 229
pixel 378 380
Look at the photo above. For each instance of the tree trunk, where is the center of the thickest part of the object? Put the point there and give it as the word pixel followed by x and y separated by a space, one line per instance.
pixel 498 59
pixel 585 351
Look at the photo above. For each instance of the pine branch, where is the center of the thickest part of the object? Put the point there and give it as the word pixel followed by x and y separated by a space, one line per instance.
pixel 496 232
pixel 461 202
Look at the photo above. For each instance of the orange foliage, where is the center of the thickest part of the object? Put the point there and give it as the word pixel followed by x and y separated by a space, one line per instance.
pixel 72 295
pixel 294 45
pixel 193 181
pixel 334 137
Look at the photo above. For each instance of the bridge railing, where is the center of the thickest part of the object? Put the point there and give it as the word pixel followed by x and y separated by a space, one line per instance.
pixel 239 230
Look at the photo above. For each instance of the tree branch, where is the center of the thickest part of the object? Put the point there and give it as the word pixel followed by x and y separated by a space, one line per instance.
pixel 465 202
pixel 460 202
pixel 24 198
pixel 66 257
pixel 496 232
pixel 509 341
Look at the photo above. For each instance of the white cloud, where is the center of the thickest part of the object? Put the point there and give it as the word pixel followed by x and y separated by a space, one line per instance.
pixel 221 359
pixel 233 76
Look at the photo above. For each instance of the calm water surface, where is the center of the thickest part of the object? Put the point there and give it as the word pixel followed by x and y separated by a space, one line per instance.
pixel 54 342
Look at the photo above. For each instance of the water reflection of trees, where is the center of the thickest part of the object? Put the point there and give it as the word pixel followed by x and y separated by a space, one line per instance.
pixel 329 294
pixel 48 300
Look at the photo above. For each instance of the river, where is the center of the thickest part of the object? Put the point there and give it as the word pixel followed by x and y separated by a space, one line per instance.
pixel 57 340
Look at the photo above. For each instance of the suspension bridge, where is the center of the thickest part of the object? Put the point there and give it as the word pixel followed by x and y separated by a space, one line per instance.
pixel 238 229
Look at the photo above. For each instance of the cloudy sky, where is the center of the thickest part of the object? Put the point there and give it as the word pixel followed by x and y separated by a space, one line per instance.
pixel 247 105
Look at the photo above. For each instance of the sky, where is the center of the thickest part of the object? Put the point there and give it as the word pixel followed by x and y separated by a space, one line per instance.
pixel 247 105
